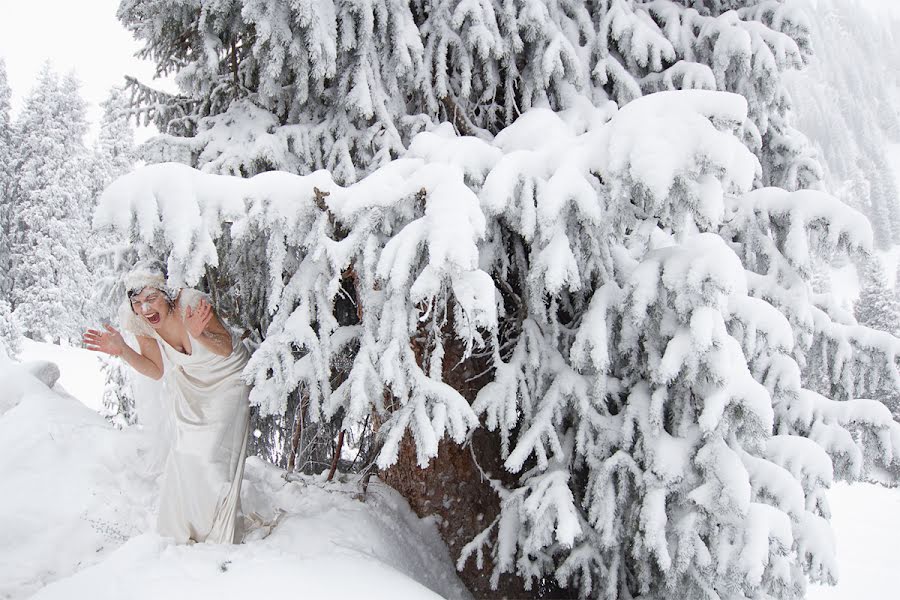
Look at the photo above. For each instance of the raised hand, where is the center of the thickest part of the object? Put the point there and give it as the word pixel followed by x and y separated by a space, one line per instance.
pixel 109 341
pixel 196 319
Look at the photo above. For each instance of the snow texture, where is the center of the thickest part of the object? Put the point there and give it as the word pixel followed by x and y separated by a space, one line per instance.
pixel 100 541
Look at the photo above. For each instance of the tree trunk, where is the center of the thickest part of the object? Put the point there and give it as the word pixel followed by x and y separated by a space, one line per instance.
pixel 453 488
pixel 295 437
pixel 337 455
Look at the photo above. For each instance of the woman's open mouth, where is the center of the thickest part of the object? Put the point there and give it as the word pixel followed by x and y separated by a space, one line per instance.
pixel 152 318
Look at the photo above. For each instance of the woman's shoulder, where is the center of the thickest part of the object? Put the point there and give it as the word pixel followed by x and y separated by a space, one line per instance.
pixel 189 297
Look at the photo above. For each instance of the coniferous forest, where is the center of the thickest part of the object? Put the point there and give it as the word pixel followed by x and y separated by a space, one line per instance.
pixel 565 275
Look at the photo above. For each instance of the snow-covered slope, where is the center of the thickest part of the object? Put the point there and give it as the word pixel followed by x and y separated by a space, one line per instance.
pixel 866 520
pixel 80 373
pixel 79 501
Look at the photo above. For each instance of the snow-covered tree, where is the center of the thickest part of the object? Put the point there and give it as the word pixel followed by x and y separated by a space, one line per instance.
pixel 284 85
pixel 877 306
pixel 6 158
pixel 10 335
pixel 577 312
pixel 114 153
pixel 50 201
pixel 634 330
pixel 849 112
pixel 118 398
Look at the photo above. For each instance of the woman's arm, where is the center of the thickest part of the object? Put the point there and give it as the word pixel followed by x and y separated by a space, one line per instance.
pixel 147 362
pixel 205 327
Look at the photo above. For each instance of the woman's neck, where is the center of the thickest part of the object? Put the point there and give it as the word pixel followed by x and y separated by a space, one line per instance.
pixel 172 328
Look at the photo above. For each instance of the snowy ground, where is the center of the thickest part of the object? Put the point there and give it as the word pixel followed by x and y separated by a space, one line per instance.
pixel 866 519
pixel 79 499
pixel 80 373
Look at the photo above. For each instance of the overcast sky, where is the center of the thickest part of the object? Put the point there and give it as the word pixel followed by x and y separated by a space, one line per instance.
pixel 79 35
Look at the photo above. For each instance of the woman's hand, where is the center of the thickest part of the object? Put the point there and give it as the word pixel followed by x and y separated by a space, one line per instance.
pixel 197 319
pixel 109 342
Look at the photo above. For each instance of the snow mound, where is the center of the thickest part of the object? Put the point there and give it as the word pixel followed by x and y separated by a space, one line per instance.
pixel 79 506
pixel 866 520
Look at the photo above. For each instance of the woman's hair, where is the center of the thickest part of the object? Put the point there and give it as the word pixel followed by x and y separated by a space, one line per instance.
pixel 144 274
pixel 148 273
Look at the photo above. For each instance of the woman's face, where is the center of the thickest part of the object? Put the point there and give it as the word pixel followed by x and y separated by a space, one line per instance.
pixel 150 304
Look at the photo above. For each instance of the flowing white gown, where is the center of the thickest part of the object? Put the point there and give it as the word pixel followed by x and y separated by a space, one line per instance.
pixel 201 490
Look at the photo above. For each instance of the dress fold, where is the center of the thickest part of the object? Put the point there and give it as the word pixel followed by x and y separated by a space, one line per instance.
pixel 201 490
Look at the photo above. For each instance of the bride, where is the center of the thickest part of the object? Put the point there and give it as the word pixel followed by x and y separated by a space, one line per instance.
pixel 180 337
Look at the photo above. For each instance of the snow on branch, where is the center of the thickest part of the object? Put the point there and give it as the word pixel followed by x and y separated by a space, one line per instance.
pixel 600 288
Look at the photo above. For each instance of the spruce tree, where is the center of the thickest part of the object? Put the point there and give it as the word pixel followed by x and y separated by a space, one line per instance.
pixel 848 112
pixel 113 155
pixel 6 159
pixel 10 335
pixel 50 200
pixel 568 294
pixel 877 306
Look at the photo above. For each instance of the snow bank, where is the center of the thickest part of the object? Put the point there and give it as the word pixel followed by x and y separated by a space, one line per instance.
pixel 79 504
pixel 80 373
pixel 866 520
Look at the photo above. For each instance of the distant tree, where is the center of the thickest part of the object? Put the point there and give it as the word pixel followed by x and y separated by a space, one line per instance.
pixel 850 113
pixel 877 306
pixel 10 335
pixel 51 204
pixel 6 159
pixel 282 85
pixel 113 155
pixel 118 397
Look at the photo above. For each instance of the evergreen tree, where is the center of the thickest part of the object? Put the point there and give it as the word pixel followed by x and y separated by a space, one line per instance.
pixel 578 318
pixel 848 111
pixel 281 85
pixel 877 306
pixel 603 354
pixel 113 155
pixel 118 397
pixel 10 335
pixel 50 200
pixel 6 158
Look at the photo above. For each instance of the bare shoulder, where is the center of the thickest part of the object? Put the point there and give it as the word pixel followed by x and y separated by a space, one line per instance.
pixel 150 349
pixel 189 297
pixel 146 342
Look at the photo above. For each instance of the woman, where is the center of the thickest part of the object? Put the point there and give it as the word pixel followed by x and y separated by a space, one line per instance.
pixel 179 336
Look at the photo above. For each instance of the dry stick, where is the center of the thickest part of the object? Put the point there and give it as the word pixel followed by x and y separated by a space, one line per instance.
pixel 295 439
pixel 295 435
pixel 337 455
pixel 361 436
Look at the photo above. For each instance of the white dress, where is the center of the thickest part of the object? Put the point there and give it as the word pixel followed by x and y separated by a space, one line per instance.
pixel 201 490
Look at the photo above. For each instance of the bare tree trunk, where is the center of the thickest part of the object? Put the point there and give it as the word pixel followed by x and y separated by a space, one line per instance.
pixel 454 486
pixel 295 435
pixel 337 455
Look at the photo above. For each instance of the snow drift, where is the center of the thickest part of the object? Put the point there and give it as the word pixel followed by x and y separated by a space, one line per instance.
pixel 78 512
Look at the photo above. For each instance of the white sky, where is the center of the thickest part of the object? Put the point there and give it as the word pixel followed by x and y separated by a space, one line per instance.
pixel 83 36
